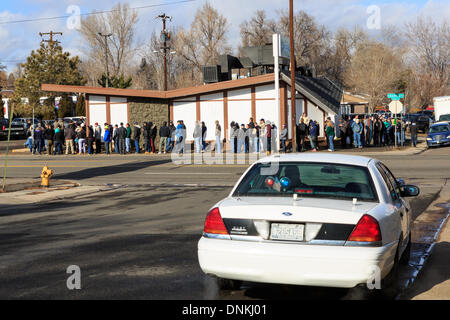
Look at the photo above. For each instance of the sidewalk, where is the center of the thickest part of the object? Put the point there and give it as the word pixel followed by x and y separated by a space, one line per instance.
pixel 433 282
pixel 27 191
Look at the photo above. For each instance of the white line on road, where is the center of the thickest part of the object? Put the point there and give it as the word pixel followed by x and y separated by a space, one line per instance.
pixel 188 173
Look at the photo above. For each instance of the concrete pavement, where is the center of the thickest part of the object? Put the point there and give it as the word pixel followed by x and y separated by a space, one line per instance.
pixel 433 282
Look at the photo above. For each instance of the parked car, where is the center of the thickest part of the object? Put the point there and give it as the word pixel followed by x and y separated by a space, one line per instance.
pixel 423 121
pixel 439 134
pixel 316 220
pixel 17 129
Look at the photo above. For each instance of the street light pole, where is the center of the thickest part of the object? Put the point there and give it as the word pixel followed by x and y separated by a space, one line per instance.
pixel 293 101
pixel 106 36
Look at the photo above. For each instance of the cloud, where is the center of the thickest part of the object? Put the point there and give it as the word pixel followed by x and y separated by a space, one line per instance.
pixel 19 39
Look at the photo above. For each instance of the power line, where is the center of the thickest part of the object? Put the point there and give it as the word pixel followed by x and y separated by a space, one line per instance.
pixel 94 13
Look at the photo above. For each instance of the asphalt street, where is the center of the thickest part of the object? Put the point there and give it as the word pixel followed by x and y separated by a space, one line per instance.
pixel 138 240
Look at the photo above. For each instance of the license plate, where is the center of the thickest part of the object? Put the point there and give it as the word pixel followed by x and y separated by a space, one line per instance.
pixel 287 232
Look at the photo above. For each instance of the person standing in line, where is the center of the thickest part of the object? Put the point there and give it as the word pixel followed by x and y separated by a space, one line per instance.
pixel 179 134
pixel 263 135
pixel 184 132
pixel 90 139
pixel 50 137
pixel 107 139
pixel 357 130
pixel 171 139
pixel 98 138
pixel 115 139
pixel 218 134
pixel 343 132
pixel 59 140
pixel 241 138
pixel 204 133
pixel 248 130
pixel 269 137
pixel 121 135
pixel 302 132
pixel 38 139
pixel 233 135
pixel 197 136
pixel 283 138
pixel 145 133
pixel 153 135
pixel 137 137
pixel 330 135
pixel 313 133
pixel 82 140
pixel 69 135
pixel 128 138
pixel 164 134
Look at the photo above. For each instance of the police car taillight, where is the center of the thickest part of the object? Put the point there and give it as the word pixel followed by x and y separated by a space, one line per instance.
pixel 367 230
pixel 214 223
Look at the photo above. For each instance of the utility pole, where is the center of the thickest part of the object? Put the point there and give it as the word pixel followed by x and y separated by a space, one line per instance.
pixel 51 34
pixel 106 36
pixel 50 41
pixel 165 37
pixel 293 101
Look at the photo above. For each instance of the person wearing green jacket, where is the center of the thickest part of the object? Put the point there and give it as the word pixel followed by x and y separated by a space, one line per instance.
pixel 128 138
pixel 330 135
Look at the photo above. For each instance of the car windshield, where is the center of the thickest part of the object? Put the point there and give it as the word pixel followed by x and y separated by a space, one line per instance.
pixel 320 180
pixel 439 129
pixel 445 117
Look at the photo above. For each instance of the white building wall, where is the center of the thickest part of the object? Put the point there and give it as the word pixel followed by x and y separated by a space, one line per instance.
pixel 239 111
pixel 97 110
pixel 210 111
pixel 119 113
pixel 186 111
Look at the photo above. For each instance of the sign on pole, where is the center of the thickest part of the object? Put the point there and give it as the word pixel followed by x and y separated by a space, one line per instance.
pixel 396 107
pixel 396 96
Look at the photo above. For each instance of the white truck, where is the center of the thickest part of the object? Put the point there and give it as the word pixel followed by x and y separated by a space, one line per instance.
pixel 442 108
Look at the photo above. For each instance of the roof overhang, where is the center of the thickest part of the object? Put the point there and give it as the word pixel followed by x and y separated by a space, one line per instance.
pixel 171 94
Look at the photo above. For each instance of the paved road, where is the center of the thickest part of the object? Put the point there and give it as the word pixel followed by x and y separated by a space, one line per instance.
pixel 138 241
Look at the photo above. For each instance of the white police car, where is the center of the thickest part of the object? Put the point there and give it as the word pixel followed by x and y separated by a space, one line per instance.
pixel 311 219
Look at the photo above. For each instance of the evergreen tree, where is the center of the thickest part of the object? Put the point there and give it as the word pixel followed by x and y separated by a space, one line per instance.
pixel 49 64
pixel 116 82
pixel 80 108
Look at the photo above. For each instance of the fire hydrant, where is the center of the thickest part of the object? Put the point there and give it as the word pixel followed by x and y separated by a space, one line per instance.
pixel 45 175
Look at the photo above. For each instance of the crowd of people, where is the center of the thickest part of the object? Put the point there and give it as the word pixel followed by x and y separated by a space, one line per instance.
pixel 79 138
pixel 252 137
pixel 375 130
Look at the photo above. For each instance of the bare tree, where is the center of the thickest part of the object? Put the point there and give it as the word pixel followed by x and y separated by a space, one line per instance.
pixel 338 51
pixel 310 37
pixel 206 39
pixel 429 47
pixel 375 70
pixel 258 31
pixel 120 23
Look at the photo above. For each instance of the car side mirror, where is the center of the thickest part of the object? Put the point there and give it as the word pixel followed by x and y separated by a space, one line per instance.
pixel 410 191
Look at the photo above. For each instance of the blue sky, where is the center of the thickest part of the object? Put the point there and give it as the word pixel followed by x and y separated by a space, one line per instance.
pixel 18 39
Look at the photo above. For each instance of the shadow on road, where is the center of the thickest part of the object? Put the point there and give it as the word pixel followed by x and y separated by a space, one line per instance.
pixel 110 170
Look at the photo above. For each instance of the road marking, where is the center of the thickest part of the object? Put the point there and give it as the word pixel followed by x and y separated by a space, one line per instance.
pixel 189 173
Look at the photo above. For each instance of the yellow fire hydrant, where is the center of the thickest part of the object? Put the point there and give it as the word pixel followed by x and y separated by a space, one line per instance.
pixel 45 175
